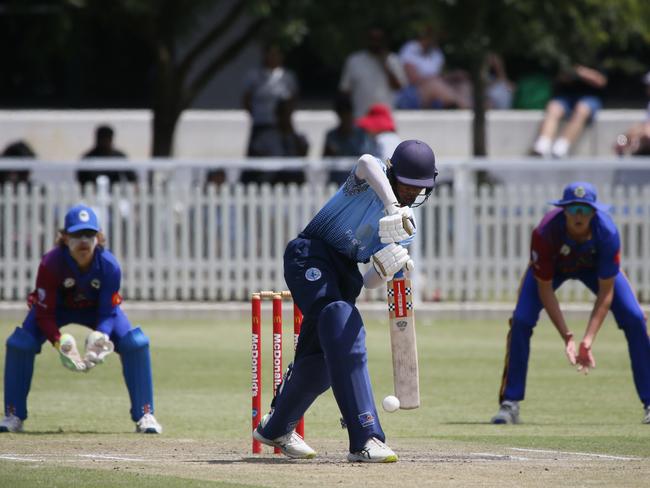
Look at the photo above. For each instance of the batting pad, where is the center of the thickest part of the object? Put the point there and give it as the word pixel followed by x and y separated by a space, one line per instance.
pixel 136 368
pixel 22 348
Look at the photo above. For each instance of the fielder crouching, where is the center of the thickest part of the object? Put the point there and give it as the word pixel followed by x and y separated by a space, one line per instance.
pixel 369 218
pixel 78 282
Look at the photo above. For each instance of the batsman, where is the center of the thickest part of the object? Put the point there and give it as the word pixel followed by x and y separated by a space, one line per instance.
pixel 78 282
pixel 368 219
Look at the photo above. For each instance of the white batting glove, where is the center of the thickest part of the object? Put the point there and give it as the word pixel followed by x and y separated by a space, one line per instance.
pixel 69 354
pixel 98 346
pixel 397 225
pixel 390 260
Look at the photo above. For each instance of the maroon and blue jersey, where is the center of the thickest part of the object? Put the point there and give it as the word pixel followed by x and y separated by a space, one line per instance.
pixel 553 252
pixel 62 288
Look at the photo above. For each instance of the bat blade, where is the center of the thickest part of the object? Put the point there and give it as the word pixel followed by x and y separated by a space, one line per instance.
pixel 401 318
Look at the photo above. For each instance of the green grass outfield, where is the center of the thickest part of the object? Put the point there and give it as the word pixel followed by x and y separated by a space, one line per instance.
pixel 202 391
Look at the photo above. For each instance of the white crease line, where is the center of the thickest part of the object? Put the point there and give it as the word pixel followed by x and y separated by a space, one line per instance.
pixel 16 458
pixel 113 458
pixel 500 456
pixel 587 454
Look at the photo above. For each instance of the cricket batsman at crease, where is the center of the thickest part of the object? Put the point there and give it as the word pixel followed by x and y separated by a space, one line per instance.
pixel 369 219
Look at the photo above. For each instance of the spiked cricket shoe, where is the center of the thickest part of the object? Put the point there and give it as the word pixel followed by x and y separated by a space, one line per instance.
pixel 11 423
pixel 148 425
pixel 291 444
pixel 646 419
pixel 374 451
pixel 508 413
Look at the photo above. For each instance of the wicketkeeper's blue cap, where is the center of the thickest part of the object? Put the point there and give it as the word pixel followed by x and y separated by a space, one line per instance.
pixel 580 192
pixel 414 164
pixel 81 217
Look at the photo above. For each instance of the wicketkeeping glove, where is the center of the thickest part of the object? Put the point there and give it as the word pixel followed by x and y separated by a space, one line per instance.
pixel 98 346
pixel 585 359
pixel 397 225
pixel 390 260
pixel 69 354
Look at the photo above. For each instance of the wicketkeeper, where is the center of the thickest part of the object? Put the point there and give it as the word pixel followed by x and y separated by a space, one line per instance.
pixel 368 219
pixel 78 282
pixel 576 241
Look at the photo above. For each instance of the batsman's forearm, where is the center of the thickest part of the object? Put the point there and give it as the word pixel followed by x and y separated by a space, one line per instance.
pixel 369 170
pixel 372 279
pixel 598 314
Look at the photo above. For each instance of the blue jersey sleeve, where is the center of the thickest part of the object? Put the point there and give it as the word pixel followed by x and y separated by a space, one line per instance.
pixel 609 247
pixel 109 295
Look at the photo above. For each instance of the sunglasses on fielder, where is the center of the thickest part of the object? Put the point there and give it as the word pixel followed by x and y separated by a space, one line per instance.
pixel 87 233
pixel 579 208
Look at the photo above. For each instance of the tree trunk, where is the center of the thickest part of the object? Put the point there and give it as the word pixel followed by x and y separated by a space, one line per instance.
pixel 166 105
pixel 478 124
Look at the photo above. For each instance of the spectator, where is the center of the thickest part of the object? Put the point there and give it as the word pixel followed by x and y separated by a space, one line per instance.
pixel 372 75
pixel 378 122
pixel 104 148
pixel 500 90
pixel 16 149
pixel 577 95
pixel 346 139
pixel 428 87
pixel 264 87
pixel 279 141
pixel 636 140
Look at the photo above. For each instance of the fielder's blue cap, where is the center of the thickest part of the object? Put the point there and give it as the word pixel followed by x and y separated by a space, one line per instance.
pixel 81 217
pixel 414 164
pixel 580 192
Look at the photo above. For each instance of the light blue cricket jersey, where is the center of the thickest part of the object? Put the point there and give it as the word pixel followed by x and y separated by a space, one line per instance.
pixel 349 221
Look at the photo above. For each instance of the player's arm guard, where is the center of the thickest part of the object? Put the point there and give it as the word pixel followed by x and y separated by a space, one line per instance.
pixel 69 354
pixel 98 346
pixel 389 260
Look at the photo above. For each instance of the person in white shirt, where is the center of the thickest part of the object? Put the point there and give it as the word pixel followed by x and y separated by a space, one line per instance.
pixel 372 75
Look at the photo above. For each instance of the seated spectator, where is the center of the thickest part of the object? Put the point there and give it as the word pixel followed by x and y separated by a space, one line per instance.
pixel 17 149
pixel 577 95
pixel 499 89
pixel 103 148
pixel 636 140
pixel 264 87
pixel 378 122
pixel 279 141
pixel 372 75
pixel 346 139
pixel 428 87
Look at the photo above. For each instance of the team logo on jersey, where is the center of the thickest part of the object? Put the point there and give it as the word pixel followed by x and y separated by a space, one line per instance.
pixel 565 250
pixel 366 419
pixel 84 216
pixel 69 282
pixel 313 274
pixel 580 192
pixel 95 283
pixel 116 299
pixel 41 294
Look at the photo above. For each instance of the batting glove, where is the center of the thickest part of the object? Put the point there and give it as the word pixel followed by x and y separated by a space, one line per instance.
pixel 69 354
pixel 390 260
pixel 397 225
pixel 585 359
pixel 98 346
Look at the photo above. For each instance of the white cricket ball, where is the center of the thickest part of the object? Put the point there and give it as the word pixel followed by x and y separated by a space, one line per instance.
pixel 390 403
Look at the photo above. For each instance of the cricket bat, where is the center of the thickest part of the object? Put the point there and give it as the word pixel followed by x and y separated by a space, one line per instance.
pixel 406 377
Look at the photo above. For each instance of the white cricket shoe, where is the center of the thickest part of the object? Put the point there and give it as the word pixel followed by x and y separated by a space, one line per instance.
pixel 374 451
pixel 291 444
pixel 508 413
pixel 11 423
pixel 646 419
pixel 148 425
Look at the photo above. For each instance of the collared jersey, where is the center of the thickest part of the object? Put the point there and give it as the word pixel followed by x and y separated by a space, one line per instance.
pixel 554 252
pixel 61 287
pixel 349 221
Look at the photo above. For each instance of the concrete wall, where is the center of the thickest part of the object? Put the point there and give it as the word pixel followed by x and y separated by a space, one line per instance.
pixel 65 135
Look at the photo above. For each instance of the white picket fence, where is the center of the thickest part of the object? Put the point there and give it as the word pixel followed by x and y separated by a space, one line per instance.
pixel 178 242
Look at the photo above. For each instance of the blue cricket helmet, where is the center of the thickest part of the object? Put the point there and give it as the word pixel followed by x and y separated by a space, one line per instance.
pixel 414 164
